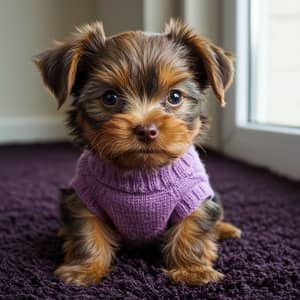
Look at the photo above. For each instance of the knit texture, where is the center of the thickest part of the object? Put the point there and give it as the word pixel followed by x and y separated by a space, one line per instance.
pixel 141 203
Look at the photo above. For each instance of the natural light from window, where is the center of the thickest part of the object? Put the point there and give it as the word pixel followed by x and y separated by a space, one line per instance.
pixel 275 62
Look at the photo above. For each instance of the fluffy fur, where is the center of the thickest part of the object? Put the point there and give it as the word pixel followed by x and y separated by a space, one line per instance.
pixel 140 71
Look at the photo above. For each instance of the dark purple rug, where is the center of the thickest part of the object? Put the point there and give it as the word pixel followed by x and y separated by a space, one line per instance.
pixel 264 264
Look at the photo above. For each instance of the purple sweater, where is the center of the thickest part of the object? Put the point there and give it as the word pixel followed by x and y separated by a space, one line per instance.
pixel 142 203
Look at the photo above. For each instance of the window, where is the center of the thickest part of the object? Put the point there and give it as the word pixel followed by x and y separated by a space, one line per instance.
pixel 261 122
pixel 275 62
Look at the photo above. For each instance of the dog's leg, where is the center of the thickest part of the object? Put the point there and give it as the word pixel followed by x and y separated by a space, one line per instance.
pixel 89 245
pixel 190 248
pixel 225 230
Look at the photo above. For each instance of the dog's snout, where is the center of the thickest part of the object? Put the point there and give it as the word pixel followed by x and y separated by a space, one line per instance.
pixel 146 133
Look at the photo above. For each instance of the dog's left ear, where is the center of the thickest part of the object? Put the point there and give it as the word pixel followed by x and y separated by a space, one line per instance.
pixel 211 65
pixel 59 66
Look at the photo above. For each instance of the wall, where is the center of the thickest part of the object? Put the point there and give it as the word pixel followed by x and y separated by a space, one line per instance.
pixel 120 16
pixel 157 13
pixel 27 112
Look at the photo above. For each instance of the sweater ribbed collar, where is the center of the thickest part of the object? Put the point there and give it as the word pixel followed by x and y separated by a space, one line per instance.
pixel 143 181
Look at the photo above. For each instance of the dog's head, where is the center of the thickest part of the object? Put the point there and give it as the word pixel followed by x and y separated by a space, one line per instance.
pixel 137 96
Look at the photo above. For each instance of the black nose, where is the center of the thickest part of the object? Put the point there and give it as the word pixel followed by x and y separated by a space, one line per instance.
pixel 146 133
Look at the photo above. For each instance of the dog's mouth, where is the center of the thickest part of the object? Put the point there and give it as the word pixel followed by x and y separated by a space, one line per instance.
pixel 146 151
pixel 150 153
pixel 144 158
pixel 138 153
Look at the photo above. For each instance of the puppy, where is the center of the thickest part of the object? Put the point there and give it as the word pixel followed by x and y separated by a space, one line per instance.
pixel 136 109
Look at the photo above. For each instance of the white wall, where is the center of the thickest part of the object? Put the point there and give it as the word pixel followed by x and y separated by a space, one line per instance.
pixel 27 112
pixel 157 13
pixel 119 15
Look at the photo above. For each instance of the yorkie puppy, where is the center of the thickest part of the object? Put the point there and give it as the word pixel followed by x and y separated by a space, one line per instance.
pixel 136 108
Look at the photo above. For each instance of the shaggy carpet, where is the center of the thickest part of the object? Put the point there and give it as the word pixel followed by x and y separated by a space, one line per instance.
pixel 264 264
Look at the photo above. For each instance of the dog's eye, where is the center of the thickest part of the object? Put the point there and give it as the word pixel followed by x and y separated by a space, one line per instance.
pixel 110 98
pixel 174 98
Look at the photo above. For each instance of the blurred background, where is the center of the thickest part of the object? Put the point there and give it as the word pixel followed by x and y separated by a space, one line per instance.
pixel 261 121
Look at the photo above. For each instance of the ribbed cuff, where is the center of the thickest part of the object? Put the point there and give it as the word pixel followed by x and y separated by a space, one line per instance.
pixel 191 201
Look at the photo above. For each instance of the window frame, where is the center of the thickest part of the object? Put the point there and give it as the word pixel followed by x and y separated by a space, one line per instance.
pixel 273 147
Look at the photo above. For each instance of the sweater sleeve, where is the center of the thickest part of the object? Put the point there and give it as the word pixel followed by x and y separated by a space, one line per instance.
pixel 85 185
pixel 192 198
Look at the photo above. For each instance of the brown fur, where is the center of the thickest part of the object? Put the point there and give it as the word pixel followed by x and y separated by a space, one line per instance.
pixel 217 63
pixel 89 244
pixel 190 249
pixel 142 70
pixel 62 60
pixel 115 140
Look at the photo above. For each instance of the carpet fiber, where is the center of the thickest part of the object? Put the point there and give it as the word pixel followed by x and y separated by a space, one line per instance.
pixel 264 264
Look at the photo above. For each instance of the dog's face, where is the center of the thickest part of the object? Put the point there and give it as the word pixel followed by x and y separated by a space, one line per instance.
pixel 137 96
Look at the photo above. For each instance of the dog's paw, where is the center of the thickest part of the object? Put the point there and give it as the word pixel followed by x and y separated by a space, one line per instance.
pixel 82 275
pixel 197 275
pixel 227 231
pixel 236 233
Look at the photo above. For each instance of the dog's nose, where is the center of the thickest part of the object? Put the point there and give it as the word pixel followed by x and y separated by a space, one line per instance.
pixel 146 133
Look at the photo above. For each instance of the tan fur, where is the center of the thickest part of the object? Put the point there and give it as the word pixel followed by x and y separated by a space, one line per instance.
pixel 227 231
pixel 190 251
pixel 72 73
pixel 170 76
pixel 85 274
pixel 89 251
pixel 116 141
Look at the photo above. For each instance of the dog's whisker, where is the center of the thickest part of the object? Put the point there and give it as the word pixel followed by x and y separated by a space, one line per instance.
pixel 202 148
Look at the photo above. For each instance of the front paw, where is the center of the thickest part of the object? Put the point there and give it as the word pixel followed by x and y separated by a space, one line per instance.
pixel 82 275
pixel 196 275
pixel 227 231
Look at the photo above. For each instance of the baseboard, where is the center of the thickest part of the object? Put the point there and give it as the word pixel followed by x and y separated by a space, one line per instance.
pixel 32 129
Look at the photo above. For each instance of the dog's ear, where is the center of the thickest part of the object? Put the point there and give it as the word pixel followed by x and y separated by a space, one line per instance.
pixel 210 64
pixel 59 65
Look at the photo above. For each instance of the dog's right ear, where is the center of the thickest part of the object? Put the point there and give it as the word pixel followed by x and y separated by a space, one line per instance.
pixel 58 65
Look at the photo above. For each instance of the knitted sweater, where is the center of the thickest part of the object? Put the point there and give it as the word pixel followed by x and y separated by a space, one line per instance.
pixel 142 203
